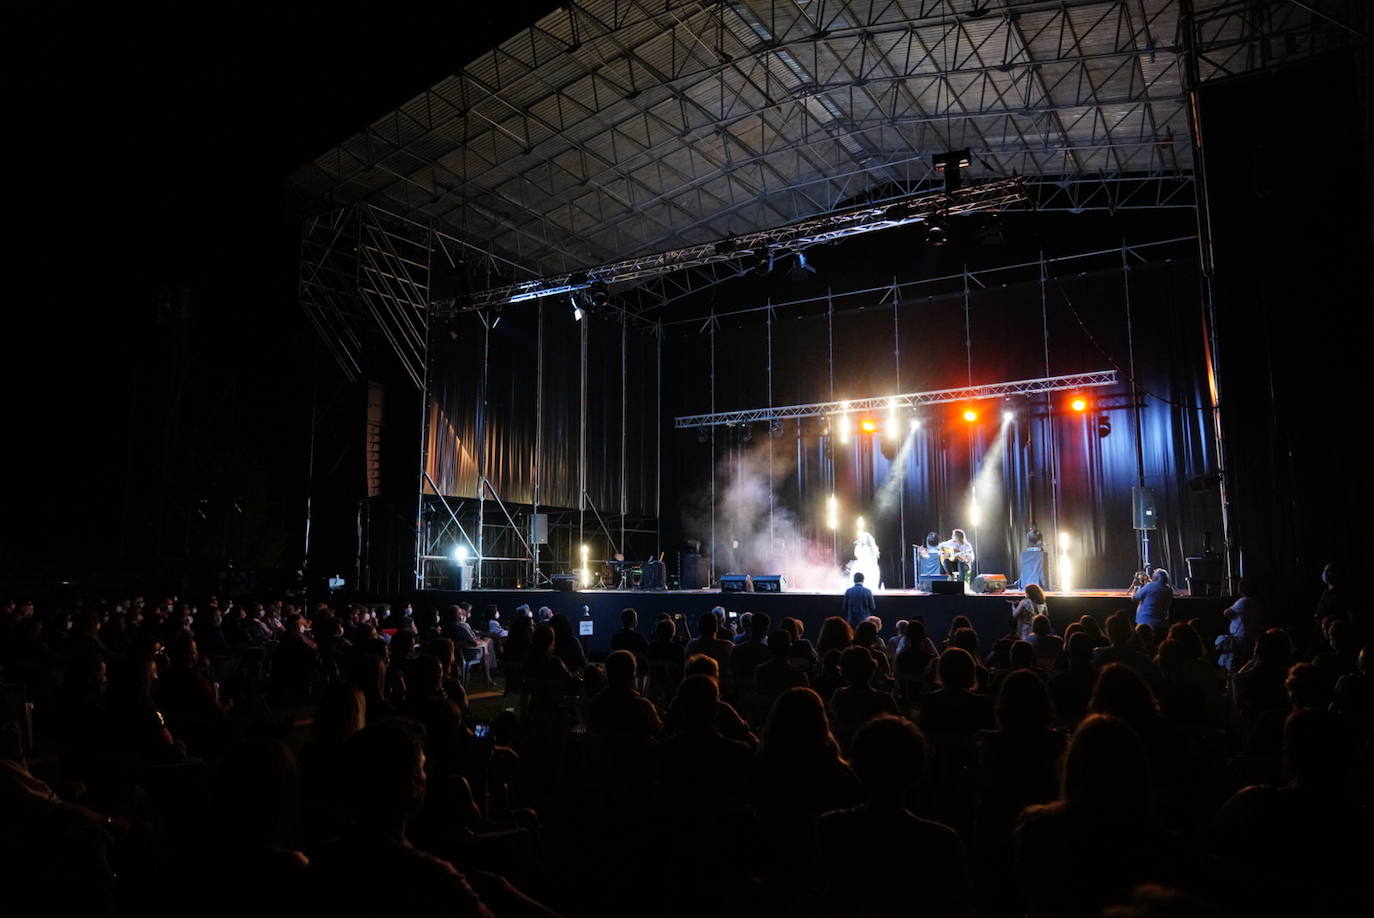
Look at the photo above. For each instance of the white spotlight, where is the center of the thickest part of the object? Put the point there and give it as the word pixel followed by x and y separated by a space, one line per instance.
pixel 894 426
pixel 586 570
pixel 832 513
pixel 1008 416
pixel 974 517
pixel 861 525
pixel 915 423
pixel 844 428
pixel 460 553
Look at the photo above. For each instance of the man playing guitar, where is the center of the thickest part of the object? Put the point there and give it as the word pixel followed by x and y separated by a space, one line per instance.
pixel 956 555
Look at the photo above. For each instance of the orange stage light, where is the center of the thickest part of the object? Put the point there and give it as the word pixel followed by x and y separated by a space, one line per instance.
pixel 868 425
pixel 1078 404
pixel 970 415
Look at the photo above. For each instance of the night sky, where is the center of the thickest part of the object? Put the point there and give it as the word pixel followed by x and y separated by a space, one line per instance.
pixel 159 370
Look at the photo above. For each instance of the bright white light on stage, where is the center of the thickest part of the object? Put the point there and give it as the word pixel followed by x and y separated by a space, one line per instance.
pixel 832 512
pixel 844 428
pixel 1008 416
pixel 970 415
pixel 861 525
pixel 1079 403
pixel 894 426
pixel 586 569
pixel 974 517
pixel 1063 541
pixel 460 553
pixel 915 423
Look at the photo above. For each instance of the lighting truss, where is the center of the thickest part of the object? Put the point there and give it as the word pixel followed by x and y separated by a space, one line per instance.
pixel 909 400
pixel 750 247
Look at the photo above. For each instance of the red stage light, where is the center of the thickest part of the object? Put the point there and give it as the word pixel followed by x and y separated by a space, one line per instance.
pixel 1078 404
pixel 868 425
pixel 970 415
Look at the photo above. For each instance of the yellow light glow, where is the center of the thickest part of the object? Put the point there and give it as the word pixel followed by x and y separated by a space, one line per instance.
pixel 970 415
pixel 868 425
pixel 974 517
pixel 844 428
pixel 1063 541
pixel 893 424
pixel 1078 404
pixel 586 569
pixel 832 513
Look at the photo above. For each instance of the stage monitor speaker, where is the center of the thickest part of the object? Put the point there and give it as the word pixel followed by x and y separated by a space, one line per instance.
pixel 770 583
pixel 564 583
pixel 539 529
pixel 947 587
pixel 990 583
pixel 1143 508
pixel 736 583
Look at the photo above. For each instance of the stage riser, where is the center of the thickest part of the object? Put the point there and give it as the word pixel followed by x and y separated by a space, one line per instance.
pixel 990 614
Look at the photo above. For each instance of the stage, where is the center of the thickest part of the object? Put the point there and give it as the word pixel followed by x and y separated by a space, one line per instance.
pixel 989 613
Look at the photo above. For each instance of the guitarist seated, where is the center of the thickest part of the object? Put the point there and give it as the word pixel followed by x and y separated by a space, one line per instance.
pixel 956 555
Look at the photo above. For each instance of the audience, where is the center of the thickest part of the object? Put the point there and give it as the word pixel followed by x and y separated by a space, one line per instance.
pixel 1082 775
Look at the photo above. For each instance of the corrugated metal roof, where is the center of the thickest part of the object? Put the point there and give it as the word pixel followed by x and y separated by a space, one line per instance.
pixel 611 127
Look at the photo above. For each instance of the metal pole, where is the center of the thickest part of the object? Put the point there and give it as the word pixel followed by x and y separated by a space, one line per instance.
pixel 624 417
pixel 658 444
pixel 1051 434
pixel 481 441
pixel 1207 260
pixel 1135 399
pixel 901 453
pixel 538 434
pixel 830 436
pixel 712 567
pixel 420 563
pixel 582 439
pixel 771 544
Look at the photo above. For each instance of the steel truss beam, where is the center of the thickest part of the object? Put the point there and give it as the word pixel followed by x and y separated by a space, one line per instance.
pixel 1234 37
pixel 739 251
pixel 907 401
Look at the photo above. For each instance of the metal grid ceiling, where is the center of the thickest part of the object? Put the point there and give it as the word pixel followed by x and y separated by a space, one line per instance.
pixel 611 128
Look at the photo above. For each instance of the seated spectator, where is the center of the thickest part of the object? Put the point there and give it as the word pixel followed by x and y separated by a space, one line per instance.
pixel 1049 647
pixel 568 646
pixel 866 635
pixel 495 628
pixel 780 673
pixel 889 756
pixel 835 635
pixel 829 678
pixel 1102 823
pixel 442 649
pixel 1071 689
pixel 742 631
pixel 1258 690
pixel 1244 621
pixel 751 651
pixel 802 650
pixel 728 720
pixel 392 756
pixel 1018 762
pixel 546 676
pixel 619 708
pixel 953 709
pixel 629 638
pixel 918 654
pixel 1354 696
pixel 967 640
pixel 1122 648
pixel 699 748
pixel 857 701
pixel 710 643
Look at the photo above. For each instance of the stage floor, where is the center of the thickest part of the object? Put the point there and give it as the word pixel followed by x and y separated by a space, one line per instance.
pixel 600 609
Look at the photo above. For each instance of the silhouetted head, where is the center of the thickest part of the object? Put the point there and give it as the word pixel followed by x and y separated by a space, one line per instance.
pixel 699 664
pixel 1022 655
pixel 629 618
pixel 797 723
pixel 1023 704
pixel 391 755
pixel 1105 771
pixel 889 756
pixel 857 665
pixel 956 669
pixel 1274 647
pixel 858 576
pixel 1120 629
pixel 1041 625
pixel 621 669
pixel 698 699
pixel 759 625
pixel 780 644
pixel 1034 593
pixel 708 625
pixel 1122 693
